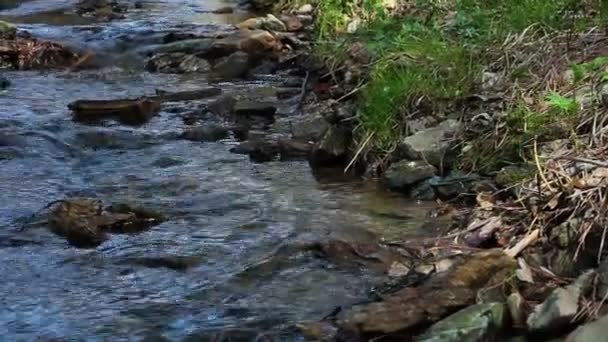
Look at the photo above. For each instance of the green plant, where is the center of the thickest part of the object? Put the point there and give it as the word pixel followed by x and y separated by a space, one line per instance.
pixel 562 104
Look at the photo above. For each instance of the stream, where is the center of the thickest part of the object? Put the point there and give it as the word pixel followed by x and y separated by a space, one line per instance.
pixel 236 224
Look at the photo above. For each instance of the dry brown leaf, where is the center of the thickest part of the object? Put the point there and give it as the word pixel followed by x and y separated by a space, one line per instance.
pixel 485 201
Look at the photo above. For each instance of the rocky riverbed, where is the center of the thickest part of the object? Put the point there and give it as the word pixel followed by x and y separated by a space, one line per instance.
pixel 156 178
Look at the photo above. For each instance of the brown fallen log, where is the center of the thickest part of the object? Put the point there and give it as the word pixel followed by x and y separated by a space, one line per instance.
pixel 127 111
pixel 134 111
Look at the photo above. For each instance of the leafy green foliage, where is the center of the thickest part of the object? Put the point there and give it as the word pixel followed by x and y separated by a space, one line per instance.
pixel 561 104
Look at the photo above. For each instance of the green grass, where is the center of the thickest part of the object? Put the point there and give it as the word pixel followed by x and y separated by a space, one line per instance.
pixel 436 53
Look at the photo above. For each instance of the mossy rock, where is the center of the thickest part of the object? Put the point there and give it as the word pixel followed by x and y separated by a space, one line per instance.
pixel 7 30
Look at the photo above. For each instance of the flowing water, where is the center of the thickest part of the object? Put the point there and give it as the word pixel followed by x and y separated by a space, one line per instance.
pixel 235 223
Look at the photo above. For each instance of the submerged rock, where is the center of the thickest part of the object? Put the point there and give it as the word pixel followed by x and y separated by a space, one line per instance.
pixel 477 323
pixel 432 144
pixel 85 223
pixel 4 83
pixel 206 133
pixel 435 299
pixel 254 108
pixel 173 262
pixel 560 308
pixel 224 10
pixel 76 219
pixel 404 174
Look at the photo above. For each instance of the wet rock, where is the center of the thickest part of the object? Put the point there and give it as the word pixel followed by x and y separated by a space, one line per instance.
pixel 424 191
pixel 223 106
pixel 405 174
pixel 253 42
pixel 206 133
pixel 237 65
pixel 477 323
pixel 85 223
pixel 435 299
pixel 269 22
pixel 177 63
pixel 258 150
pixel 77 220
pixel 455 184
pixel 333 147
pixel 259 42
pixel 4 83
pixel 318 331
pixel 310 127
pixel 265 67
pixel 557 312
pixel 106 9
pixel 165 162
pixel 224 10
pixel 113 139
pixel 187 95
pixel 286 93
pixel 353 253
pixel 292 149
pixel 127 111
pixel 174 262
pixel 254 108
pixel 591 332
pixel 34 54
pixel 7 30
pixel 432 144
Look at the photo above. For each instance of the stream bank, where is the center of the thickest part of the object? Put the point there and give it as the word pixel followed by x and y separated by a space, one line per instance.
pixel 496 111
pixel 138 222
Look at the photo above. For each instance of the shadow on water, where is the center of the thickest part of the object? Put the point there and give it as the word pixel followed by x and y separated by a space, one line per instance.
pixel 229 260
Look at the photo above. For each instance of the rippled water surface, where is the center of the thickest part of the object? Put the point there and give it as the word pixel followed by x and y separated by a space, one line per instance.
pixel 236 224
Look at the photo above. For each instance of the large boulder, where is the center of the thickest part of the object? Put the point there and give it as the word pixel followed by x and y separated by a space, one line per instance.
pixel 477 323
pixel 432 144
pixel 333 147
pixel 309 127
pixel 558 310
pixel 404 174
pixel 435 299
